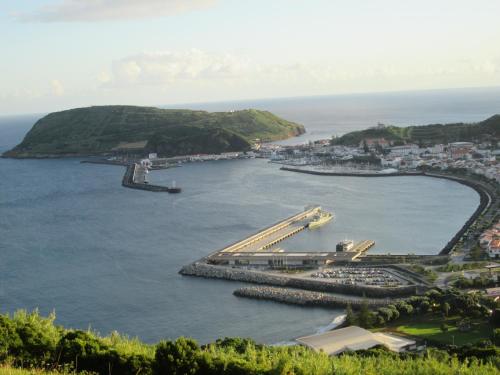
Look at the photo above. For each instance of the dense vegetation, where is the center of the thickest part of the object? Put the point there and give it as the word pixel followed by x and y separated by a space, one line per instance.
pixel 97 130
pixel 31 341
pixel 450 305
pixel 488 129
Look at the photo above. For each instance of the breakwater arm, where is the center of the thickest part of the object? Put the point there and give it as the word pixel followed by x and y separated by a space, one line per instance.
pixel 347 174
pixel 307 298
pixel 128 181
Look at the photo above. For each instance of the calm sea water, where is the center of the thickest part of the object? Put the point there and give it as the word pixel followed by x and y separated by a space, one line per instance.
pixel 72 239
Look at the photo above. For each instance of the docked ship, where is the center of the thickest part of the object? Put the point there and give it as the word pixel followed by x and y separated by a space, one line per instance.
pixel 345 245
pixel 320 219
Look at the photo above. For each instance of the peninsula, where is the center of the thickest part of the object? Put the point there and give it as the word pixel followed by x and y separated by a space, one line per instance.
pixel 102 130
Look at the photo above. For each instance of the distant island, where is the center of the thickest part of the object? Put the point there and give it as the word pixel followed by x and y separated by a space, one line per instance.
pixel 102 130
pixel 426 135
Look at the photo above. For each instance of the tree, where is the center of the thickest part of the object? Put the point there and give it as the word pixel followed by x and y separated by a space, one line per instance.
pixel 365 316
pixel 176 358
pixel 443 327
pixel 445 307
pixel 496 336
pixel 350 318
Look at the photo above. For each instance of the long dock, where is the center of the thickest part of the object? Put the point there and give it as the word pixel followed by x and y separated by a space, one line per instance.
pixel 273 234
pixel 363 246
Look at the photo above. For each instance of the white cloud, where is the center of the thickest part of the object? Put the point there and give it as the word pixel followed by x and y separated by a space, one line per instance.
pixel 102 10
pixel 57 87
pixel 163 68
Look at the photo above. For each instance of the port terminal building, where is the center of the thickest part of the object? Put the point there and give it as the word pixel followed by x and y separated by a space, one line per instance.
pixel 281 259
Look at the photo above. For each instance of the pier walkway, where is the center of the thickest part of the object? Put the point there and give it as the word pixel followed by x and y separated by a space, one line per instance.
pixel 274 234
pixel 363 246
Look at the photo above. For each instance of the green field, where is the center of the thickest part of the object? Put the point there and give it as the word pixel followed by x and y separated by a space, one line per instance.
pixel 429 328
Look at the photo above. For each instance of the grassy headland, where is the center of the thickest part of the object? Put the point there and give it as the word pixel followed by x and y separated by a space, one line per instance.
pixel 488 129
pixel 169 132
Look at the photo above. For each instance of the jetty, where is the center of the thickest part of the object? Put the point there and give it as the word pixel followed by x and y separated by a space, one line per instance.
pixel 135 178
pixel 363 246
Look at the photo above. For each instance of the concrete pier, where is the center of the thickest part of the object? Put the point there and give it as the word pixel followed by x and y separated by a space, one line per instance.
pixel 135 179
pixel 273 234
pixel 363 246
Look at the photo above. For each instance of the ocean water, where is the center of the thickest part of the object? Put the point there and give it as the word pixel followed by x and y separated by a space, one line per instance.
pixel 74 241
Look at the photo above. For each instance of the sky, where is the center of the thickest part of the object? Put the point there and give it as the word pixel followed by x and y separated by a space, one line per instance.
pixel 60 54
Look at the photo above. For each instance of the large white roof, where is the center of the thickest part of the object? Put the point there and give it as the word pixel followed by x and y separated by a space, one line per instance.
pixel 352 338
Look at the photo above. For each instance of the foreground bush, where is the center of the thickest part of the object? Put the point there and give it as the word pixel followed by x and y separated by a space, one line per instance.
pixel 28 340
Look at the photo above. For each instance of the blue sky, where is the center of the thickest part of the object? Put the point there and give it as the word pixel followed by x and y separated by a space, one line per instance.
pixel 58 54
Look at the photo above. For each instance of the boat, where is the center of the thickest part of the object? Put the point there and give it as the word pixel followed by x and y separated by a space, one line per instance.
pixel 345 245
pixel 320 219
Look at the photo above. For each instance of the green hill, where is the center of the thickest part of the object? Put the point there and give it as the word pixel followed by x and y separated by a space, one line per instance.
pixel 169 132
pixel 427 134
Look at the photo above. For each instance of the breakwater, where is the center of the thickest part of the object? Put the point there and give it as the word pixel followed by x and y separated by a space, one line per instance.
pixel 306 297
pixel 128 181
pixel 485 197
pixel 202 269
pixel 347 174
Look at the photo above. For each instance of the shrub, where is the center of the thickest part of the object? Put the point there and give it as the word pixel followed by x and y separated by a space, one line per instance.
pixel 177 358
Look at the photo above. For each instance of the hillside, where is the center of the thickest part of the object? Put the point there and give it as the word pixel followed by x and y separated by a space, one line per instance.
pixel 427 134
pixel 169 132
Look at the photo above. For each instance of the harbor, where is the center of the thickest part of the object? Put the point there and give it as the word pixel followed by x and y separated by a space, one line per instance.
pixel 257 259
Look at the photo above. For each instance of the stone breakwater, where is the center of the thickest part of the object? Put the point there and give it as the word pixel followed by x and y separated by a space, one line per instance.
pixel 351 174
pixel 306 298
pixel 128 181
pixel 202 269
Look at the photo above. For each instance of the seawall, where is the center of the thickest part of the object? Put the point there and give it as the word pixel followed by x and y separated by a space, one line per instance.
pixel 346 174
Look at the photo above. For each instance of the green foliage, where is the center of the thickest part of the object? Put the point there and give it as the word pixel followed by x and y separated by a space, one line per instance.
pixel 496 336
pixel 429 274
pixel 177 358
pixel 365 317
pixel 350 318
pixel 427 134
pixel 476 282
pixel 116 354
pixel 29 337
pixel 454 267
pixel 97 130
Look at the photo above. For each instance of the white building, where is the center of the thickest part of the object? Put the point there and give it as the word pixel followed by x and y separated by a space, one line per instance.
pixel 405 150
pixel 354 338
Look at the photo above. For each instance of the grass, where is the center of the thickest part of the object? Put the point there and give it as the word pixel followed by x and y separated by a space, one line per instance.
pixel 8 370
pixel 429 328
